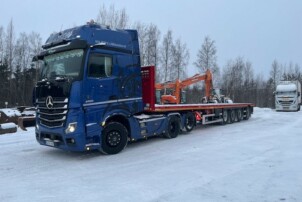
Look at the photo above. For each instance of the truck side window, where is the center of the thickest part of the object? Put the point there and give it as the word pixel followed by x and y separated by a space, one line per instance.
pixel 99 66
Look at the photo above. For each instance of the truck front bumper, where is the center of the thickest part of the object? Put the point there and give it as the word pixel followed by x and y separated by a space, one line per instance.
pixel 287 107
pixel 69 142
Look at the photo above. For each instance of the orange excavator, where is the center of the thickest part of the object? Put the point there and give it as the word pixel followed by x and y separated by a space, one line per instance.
pixel 177 86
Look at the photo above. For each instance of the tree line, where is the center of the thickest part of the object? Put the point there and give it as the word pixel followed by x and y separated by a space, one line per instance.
pixel 169 54
pixel 17 75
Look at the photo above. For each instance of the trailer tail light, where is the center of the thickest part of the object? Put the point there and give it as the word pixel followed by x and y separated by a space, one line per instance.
pixel 198 116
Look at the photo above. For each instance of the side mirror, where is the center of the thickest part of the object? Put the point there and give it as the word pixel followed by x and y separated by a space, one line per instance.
pixel 299 94
pixel 274 93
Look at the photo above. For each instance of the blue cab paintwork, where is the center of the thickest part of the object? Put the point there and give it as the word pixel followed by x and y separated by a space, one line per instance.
pixel 93 101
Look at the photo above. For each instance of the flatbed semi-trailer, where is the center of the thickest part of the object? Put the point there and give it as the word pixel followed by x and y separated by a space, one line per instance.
pixel 93 94
pixel 208 113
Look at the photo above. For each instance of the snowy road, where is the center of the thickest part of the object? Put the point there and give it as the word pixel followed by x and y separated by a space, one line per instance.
pixel 255 160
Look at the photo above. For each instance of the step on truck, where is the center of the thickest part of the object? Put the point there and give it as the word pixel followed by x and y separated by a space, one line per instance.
pixel 93 94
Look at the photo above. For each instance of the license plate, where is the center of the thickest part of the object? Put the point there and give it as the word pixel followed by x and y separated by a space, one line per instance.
pixel 50 143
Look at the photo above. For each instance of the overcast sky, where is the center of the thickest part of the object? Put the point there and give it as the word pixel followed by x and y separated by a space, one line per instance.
pixel 258 30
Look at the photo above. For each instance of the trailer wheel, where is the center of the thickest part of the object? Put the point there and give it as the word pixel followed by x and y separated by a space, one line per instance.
pixel 190 121
pixel 232 116
pixel 173 127
pixel 239 115
pixel 225 117
pixel 247 114
pixel 114 138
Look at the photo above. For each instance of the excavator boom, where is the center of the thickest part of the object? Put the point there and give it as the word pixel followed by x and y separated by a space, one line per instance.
pixel 178 85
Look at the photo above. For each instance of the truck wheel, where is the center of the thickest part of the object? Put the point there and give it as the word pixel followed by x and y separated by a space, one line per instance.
pixel 239 115
pixel 114 138
pixel 247 114
pixel 225 117
pixel 173 127
pixel 190 121
pixel 232 116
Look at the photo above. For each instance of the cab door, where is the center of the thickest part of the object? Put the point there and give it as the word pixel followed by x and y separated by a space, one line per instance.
pixel 98 85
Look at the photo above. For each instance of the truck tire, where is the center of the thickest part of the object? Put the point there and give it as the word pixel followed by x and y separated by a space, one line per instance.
pixel 239 115
pixel 190 121
pixel 232 116
pixel 114 138
pixel 247 114
pixel 225 117
pixel 173 127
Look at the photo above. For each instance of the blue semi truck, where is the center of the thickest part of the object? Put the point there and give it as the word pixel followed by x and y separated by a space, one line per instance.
pixel 93 94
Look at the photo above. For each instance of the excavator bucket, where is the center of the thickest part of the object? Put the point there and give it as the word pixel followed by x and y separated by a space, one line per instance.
pixel 26 121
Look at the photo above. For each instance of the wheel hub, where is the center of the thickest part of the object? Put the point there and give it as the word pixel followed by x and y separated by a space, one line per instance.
pixel 114 138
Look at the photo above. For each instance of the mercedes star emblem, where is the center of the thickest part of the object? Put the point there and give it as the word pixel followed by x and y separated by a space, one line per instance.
pixel 49 102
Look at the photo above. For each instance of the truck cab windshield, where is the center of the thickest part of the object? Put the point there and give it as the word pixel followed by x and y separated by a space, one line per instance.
pixel 62 65
pixel 286 92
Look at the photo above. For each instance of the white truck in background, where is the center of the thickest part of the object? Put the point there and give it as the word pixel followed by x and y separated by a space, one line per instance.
pixel 288 96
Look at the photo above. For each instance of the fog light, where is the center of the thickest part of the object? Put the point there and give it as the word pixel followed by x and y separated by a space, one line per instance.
pixel 71 128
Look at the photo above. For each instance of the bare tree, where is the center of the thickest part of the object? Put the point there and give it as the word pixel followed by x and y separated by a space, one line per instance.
pixel 142 38
pixel 248 82
pixel 4 71
pixel 291 72
pixel 10 42
pixel 153 37
pixel 113 17
pixel 207 59
pixel 23 58
pixel 180 59
pixel 35 42
pixel 238 80
pixel 148 36
pixel 166 52
pixel 2 44
pixel 275 73
pixel 9 50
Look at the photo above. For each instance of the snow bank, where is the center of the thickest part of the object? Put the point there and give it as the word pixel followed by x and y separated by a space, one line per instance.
pixel 7 128
pixel 10 112
pixel 7 125
pixel 28 113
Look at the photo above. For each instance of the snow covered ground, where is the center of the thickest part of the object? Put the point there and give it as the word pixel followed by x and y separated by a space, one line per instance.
pixel 255 160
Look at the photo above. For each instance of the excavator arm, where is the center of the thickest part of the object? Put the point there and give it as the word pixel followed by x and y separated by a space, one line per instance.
pixel 178 85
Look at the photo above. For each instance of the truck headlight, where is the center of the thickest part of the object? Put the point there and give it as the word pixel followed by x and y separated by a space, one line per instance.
pixel 71 127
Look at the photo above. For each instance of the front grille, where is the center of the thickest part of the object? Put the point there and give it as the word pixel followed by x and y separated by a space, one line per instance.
pixel 55 116
pixel 286 103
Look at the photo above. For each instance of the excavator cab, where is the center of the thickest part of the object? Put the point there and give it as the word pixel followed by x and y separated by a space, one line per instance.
pixel 218 97
pixel 183 97
pixel 158 94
